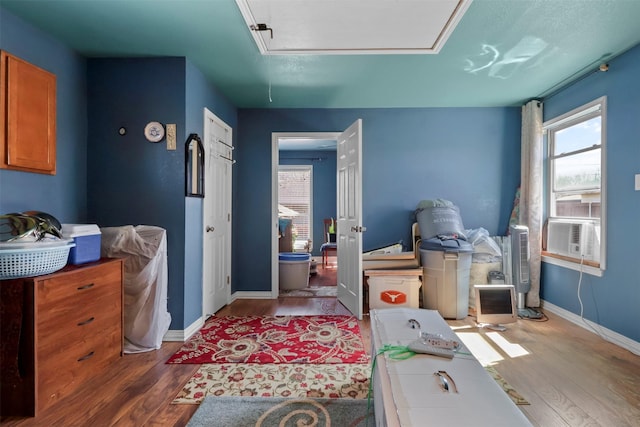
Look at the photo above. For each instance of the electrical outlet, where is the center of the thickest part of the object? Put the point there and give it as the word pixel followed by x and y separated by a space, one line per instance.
pixel 638 182
pixel 171 136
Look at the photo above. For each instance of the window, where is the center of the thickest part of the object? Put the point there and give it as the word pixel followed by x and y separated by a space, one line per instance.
pixel 295 192
pixel 576 144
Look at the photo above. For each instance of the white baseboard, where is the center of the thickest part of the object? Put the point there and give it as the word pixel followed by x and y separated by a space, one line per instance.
pixel 607 334
pixel 251 295
pixel 184 335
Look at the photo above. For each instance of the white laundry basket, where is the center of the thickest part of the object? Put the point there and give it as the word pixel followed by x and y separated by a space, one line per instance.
pixel 294 270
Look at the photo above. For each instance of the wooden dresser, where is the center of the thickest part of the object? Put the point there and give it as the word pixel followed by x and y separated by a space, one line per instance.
pixel 58 331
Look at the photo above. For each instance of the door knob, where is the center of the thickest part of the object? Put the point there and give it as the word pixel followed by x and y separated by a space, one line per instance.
pixel 209 228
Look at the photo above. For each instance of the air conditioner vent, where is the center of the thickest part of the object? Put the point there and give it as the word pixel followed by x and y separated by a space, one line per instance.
pixel 575 234
pixel 520 258
pixel 524 260
pixel 574 238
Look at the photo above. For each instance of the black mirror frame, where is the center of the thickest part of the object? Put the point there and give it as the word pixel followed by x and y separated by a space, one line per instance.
pixel 194 166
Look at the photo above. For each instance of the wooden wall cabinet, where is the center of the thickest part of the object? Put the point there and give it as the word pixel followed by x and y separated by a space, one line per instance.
pixel 58 331
pixel 27 116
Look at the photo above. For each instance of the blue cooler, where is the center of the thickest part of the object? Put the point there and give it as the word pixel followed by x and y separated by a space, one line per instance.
pixel 87 238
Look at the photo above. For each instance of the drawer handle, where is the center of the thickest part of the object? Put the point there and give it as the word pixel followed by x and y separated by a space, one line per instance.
pixel 86 322
pixel 89 286
pixel 85 357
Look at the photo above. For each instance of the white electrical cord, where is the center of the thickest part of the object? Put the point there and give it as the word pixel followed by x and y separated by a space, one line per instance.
pixel 582 306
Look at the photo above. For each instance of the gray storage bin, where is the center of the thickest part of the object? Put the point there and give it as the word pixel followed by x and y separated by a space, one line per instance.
pixel 446 267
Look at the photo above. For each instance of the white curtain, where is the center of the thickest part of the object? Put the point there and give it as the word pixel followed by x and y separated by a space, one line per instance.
pixel 531 181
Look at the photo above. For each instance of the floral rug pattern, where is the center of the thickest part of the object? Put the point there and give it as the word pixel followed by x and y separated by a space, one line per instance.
pixel 277 380
pixel 325 339
pixel 511 392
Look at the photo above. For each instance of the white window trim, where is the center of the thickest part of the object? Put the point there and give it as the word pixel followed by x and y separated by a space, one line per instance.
pixel 571 265
pixel 565 120
pixel 310 169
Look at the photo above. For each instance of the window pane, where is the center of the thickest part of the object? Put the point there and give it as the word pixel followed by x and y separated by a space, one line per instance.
pixel 578 172
pixel 578 205
pixel 577 137
pixel 294 193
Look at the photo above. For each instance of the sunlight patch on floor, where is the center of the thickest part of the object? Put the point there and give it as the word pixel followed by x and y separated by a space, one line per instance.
pixel 512 350
pixel 480 348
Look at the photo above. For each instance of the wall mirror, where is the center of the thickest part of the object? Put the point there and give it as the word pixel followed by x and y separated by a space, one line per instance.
pixel 194 161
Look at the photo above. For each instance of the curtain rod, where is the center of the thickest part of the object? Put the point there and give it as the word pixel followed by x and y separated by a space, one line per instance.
pixel 578 76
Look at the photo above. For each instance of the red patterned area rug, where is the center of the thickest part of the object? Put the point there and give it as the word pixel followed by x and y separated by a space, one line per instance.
pixel 323 339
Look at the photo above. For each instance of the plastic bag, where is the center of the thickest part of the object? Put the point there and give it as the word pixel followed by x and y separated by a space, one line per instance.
pixel 144 250
pixel 485 249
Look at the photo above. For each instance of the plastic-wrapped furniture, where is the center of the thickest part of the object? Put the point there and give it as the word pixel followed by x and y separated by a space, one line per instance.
pixel 144 250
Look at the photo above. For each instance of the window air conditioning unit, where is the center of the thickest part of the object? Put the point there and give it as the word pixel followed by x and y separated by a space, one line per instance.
pixel 574 238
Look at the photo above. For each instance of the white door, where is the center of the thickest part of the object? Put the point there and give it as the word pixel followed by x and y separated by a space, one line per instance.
pixel 216 251
pixel 349 218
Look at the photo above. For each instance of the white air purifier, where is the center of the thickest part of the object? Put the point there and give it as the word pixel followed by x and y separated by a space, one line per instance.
pixel 520 278
pixel 520 271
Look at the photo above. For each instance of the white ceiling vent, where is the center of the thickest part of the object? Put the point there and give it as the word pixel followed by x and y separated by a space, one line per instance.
pixel 281 27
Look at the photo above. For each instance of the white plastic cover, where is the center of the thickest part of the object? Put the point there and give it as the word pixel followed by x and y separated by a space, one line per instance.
pixel 144 250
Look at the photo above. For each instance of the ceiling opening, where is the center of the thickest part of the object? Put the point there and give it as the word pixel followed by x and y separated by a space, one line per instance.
pixel 281 27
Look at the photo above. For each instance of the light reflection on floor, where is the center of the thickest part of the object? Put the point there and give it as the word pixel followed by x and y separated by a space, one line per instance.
pixel 483 349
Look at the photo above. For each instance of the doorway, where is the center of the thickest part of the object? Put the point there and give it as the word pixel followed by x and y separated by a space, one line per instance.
pixel 348 213
pixel 315 149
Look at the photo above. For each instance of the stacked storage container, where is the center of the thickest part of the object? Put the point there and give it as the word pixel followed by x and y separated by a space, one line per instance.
pixel 445 257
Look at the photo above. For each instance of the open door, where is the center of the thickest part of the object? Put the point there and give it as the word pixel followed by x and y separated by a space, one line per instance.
pixel 216 262
pixel 349 218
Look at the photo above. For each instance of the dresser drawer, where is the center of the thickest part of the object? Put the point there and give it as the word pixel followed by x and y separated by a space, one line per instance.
pixel 80 306
pixel 89 331
pixel 73 286
pixel 60 374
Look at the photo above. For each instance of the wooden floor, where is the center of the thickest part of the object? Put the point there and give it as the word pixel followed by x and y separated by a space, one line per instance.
pixel 570 376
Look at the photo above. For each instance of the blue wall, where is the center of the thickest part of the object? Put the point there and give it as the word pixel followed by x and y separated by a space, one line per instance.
pixel 63 195
pixel 199 94
pixel 113 180
pixel 468 155
pixel 133 181
pixel 408 155
pixel 324 187
pixel 611 300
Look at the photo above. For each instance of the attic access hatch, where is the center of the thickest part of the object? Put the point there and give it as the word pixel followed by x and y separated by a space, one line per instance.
pixel 281 27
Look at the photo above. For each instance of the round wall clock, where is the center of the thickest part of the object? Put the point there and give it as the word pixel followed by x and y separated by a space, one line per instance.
pixel 154 132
